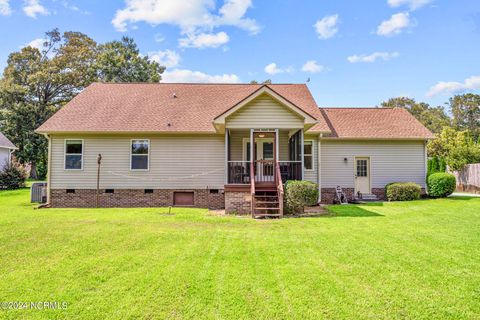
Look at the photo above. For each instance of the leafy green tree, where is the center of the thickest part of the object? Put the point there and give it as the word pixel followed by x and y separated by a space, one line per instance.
pixel 434 118
pixel 121 61
pixel 466 113
pixel 456 147
pixel 268 81
pixel 36 83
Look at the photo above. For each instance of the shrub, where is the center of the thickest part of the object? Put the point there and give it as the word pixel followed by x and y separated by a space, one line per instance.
pixel 436 164
pixel 12 176
pixel 441 184
pixel 403 191
pixel 299 194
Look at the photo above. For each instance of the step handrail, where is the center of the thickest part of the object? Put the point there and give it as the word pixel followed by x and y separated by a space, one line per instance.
pixel 279 187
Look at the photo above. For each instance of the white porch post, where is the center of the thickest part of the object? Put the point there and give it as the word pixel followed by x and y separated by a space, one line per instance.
pixel 277 145
pixel 302 153
pixel 227 134
pixel 251 146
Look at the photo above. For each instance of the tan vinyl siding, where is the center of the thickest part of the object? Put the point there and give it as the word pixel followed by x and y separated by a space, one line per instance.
pixel 264 112
pixel 182 161
pixel 236 144
pixel 4 157
pixel 389 162
pixel 312 175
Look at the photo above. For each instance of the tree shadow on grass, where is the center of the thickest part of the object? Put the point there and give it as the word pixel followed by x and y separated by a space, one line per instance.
pixel 339 211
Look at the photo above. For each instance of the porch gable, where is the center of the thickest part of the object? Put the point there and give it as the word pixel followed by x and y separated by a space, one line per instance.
pixel 264 109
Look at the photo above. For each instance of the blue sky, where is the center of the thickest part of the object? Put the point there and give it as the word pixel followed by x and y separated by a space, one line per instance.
pixel 356 53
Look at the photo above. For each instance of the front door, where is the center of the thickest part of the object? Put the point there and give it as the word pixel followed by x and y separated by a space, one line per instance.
pixel 362 175
pixel 264 156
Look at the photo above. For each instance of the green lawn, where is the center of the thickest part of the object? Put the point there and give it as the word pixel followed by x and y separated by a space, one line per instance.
pixel 417 260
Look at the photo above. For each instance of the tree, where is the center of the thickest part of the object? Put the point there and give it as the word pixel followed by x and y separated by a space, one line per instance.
pixel 456 147
pixel 434 118
pixel 268 81
pixel 121 61
pixel 466 113
pixel 37 83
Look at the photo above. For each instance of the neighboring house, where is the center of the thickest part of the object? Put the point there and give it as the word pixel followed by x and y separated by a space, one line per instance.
pixel 214 145
pixel 6 150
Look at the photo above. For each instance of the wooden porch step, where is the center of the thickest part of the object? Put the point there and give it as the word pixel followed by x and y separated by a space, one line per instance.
pixel 266 208
pixel 266 202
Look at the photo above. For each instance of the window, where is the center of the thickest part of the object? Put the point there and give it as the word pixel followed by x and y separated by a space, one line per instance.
pixel 267 150
pixel 139 154
pixel 362 168
pixel 73 154
pixel 308 155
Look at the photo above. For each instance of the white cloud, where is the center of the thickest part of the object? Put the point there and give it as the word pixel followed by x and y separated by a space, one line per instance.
pixel 472 83
pixel 312 66
pixel 36 43
pixel 395 24
pixel 159 37
pixel 5 9
pixel 32 8
pixel 167 58
pixel 204 40
pixel 188 15
pixel 184 75
pixel 272 69
pixel 372 57
pixel 327 26
pixel 412 4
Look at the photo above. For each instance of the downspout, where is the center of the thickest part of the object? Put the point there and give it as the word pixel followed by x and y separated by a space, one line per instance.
pixel 302 153
pixel 49 169
pixel 426 164
pixel 319 168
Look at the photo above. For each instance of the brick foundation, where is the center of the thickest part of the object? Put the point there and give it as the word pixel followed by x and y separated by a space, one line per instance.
pixel 126 198
pixel 238 202
pixel 329 194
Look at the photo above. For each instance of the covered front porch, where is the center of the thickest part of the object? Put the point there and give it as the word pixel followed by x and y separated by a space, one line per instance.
pixel 256 154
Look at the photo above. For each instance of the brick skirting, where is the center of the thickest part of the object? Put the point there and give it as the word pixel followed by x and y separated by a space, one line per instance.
pixel 126 198
pixel 238 202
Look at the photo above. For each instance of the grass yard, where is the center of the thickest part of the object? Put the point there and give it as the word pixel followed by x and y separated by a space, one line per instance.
pixel 417 260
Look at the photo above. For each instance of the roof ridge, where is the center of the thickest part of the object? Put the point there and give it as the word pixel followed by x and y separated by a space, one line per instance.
pixel 356 108
pixel 201 83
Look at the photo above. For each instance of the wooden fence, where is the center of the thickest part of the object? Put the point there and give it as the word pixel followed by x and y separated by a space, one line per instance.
pixel 468 180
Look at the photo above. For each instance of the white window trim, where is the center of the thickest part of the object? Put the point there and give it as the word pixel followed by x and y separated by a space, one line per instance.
pixel 312 154
pixel 148 154
pixel 65 154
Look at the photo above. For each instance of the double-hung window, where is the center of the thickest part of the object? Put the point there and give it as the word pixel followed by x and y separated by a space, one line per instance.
pixel 308 154
pixel 139 154
pixel 73 154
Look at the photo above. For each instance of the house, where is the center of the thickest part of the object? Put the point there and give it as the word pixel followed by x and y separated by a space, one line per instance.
pixel 223 146
pixel 6 150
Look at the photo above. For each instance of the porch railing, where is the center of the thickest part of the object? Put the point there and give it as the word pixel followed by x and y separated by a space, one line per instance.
pixel 239 172
pixel 279 183
pixel 290 170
